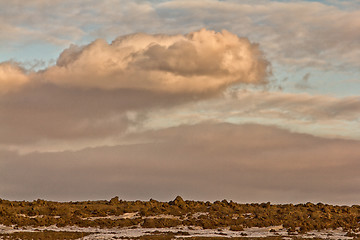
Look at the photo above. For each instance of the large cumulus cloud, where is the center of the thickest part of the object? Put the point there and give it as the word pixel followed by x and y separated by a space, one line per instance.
pixel 99 90
pixel 198 62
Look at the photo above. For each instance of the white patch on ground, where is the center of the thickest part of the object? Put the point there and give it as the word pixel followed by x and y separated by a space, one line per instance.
pixel 100 233
pixel 162 216
pixel 198 214
pixel 248 215
pixel 36 216
pixel 132 215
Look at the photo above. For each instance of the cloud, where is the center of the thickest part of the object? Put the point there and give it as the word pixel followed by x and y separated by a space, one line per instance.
pixel 12 77
pixel 48 117
pixel 203 61
pixel 296 34
pixel 44 113
pixel 200 62
pixel 301 106
pixel 320 115
pixel 93 90
pixel 99 93
pixel 205 161
pixel 304 83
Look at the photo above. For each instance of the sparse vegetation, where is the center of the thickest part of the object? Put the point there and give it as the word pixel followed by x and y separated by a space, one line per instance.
pixel 154 214
pixel 43 235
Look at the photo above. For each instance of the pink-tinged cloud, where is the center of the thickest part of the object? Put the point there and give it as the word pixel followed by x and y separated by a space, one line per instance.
pixel 88 93
pixel 199 62
pixel 12 77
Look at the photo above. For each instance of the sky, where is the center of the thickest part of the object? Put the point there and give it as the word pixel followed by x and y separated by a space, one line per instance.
pixel 250 101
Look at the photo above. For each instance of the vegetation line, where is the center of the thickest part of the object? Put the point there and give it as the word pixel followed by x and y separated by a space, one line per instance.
pixel 117 213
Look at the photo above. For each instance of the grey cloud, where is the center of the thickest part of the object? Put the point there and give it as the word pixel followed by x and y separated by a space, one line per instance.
pixel 320 115
pixel 297 33
pixel 205 161
pixel 48 112
pixel 66 21
pixel 300 106
pixel 300 33
pixel 304 83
